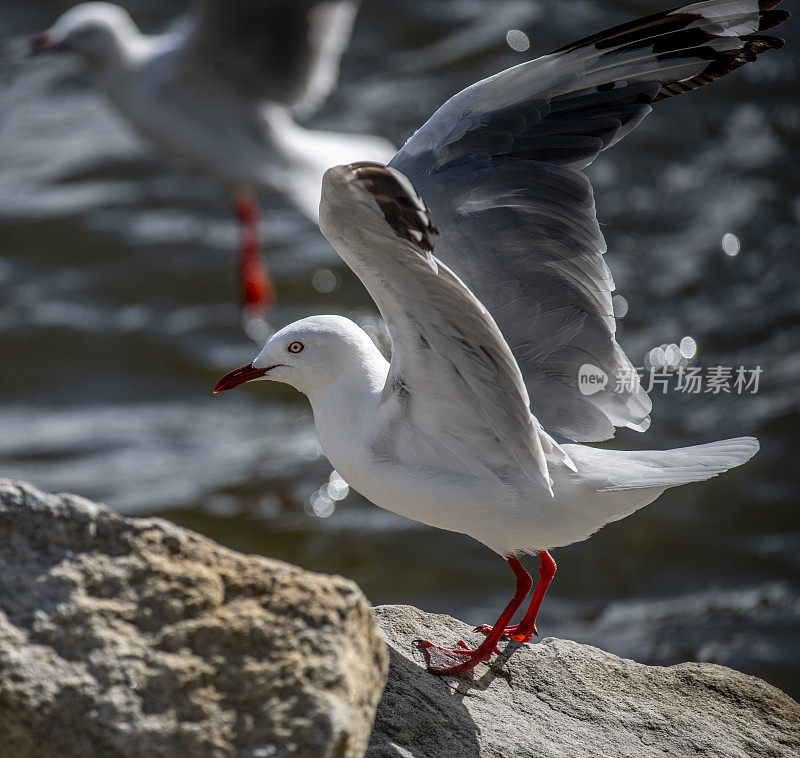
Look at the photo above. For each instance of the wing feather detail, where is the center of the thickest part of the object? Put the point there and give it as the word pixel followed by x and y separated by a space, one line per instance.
pixel 500 165
pixel 452 377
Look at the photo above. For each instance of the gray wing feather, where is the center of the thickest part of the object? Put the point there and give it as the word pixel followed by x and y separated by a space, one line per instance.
pixel 279 51
pixel 537 218
pixel 452 377
pixel 500 165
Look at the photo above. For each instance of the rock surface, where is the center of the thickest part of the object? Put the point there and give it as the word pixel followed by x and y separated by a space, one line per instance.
pixel 122 637
pixel 559 699
pixel 130 637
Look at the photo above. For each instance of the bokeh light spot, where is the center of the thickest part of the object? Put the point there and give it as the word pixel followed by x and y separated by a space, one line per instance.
pixel 672 355
pixel 518 40
pixel 688 347
pixel 620 306
pixel 324 280
pixel 731 245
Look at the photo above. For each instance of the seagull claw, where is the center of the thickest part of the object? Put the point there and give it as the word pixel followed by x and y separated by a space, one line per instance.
pixel 458 660
pixel 514 632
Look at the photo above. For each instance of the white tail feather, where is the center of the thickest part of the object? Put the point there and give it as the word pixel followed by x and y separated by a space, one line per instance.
pixel 668 468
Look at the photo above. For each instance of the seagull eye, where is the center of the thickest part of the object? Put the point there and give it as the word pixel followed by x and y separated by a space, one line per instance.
pixel 295 347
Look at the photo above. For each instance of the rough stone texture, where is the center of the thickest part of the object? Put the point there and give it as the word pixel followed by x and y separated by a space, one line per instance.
pixel 559 699
pixel 131 637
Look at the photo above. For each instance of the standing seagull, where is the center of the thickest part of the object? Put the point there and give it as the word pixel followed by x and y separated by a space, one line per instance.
pixel 221 92
pixel 480 246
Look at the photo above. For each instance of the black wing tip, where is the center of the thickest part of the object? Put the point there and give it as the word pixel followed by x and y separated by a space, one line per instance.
pixel 770 19
pixel 759 43
pixel 723 64
pixel 407 214
pixel 669 35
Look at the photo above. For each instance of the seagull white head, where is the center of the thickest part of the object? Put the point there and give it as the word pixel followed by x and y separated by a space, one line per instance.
pixel 311 354
pixel 98 32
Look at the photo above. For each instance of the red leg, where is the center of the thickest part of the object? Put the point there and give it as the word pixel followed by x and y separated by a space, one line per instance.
pixel 472 658
pixel 258 293
pixel 526 628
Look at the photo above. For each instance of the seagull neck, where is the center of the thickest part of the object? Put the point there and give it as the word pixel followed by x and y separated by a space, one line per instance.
pixel 308 150
pixel 131 48
pixel 350 398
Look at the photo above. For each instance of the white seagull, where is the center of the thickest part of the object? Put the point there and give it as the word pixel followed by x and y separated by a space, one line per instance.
pixel 221 92
pixel 480 246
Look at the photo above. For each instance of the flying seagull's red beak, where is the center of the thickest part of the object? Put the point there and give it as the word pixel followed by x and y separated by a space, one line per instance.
pixel 239 376
pixel 41 42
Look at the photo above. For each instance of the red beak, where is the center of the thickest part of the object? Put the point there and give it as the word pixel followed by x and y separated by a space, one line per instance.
pixel 41 42
pixel 240 376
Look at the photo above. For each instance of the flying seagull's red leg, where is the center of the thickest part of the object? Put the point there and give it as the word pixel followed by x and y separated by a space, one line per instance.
pixel 258 294
pixel 463 658
pixel 526 628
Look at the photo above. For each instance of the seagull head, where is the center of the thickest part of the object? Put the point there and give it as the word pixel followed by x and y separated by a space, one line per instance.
pixel 311 355
pixel 97 32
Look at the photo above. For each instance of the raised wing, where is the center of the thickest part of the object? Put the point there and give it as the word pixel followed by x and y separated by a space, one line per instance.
pixel 452 377
pixel 279 51
pixel 500 165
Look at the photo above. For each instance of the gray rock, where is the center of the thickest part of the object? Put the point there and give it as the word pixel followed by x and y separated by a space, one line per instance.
pixel 559 699
pixel 131 637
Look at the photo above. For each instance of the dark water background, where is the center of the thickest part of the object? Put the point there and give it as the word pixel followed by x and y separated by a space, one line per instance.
pixel 117 315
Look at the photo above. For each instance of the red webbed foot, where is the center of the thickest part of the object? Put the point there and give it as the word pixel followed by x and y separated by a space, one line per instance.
pixel 526 628
pixel 457 660
pixel 452 660
pixel 514 632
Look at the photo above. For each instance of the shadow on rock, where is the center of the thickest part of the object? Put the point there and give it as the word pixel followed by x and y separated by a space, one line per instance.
pixel 560 699
pixel 409 720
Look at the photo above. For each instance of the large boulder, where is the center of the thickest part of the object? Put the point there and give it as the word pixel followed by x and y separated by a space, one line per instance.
pixel 131 637
pixel 559 699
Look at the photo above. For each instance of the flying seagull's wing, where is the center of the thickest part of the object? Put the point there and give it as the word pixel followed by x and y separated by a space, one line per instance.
pixel 452 375
pixel 500 165
pixel 279 51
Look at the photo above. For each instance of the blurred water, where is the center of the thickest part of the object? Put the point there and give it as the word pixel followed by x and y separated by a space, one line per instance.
pixel 117 314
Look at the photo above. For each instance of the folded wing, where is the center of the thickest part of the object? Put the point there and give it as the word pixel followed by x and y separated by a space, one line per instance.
pixel 500 165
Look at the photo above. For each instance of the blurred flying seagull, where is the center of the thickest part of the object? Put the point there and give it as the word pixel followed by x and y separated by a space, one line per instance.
pixel 480 246
pixel 222 91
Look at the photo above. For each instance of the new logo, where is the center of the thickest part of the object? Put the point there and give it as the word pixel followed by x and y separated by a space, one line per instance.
pixel 591 379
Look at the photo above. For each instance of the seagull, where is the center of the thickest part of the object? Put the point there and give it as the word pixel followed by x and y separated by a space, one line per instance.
pixel 221 91
pixel 480 246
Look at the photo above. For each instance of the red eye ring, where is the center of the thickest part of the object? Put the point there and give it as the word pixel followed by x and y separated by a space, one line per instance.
pixel 295 347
